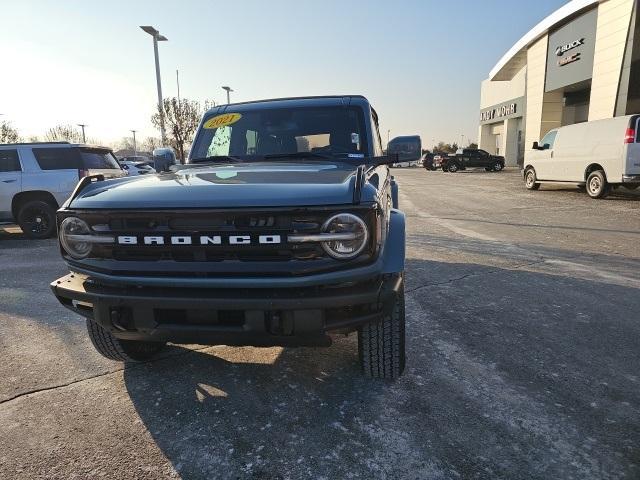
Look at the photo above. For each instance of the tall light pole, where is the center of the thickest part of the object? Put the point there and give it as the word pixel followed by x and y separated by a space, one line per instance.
pixel 228 89
pixel 82 125
pixel 135 150
pixel 178 83
pixel 157 38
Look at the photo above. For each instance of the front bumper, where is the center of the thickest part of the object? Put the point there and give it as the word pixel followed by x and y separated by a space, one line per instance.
pixel 241 316
pixel 631 179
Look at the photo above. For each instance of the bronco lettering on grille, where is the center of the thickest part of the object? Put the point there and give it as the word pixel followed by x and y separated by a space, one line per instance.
pixel 199 240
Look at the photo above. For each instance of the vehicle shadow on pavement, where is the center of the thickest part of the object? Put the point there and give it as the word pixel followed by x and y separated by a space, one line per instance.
pixel 256 413
pixel 511 374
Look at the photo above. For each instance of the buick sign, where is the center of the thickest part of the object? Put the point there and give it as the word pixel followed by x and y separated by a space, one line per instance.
pixel 562 49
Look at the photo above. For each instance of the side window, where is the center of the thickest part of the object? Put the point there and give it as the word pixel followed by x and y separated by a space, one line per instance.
pixel 638 131
pixel 58 158
pixel 220 143
pixel 9 161
pixel 549 139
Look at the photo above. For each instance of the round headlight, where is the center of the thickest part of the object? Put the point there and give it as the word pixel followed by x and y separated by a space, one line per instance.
pixel 69 228
pixel 353 231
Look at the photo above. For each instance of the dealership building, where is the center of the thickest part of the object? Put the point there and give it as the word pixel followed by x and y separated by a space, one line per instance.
pixel 581 63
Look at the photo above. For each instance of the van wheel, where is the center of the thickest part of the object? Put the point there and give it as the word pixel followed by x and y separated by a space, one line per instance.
pixel 453 167
pixel 37 219
pixel 381 344
pixel 120 350
pixel 597 186
pixel 530 180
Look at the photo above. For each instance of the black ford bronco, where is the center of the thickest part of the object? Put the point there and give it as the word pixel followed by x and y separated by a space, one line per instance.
pixel 282 227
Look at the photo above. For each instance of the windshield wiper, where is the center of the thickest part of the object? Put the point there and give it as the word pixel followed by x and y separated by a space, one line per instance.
pixel 216 159
pixel 324 156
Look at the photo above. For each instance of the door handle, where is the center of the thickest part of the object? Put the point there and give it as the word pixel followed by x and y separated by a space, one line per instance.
pixel 9 181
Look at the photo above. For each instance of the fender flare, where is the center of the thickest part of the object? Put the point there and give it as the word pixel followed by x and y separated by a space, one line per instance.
pixel 395 244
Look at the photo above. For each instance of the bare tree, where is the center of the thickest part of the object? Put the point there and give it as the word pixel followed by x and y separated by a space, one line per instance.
pixel 151 143
pixel 8 134
pixel 182 118
pixel 63 133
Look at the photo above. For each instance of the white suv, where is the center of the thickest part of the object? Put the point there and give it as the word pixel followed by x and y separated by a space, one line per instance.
pixel 36 178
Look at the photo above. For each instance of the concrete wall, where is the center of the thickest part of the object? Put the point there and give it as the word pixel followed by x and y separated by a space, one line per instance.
pixel 536 65
pixel 493 93
pixel 614 17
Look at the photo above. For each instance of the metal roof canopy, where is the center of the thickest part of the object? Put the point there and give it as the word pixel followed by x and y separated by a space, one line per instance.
pixel 516 58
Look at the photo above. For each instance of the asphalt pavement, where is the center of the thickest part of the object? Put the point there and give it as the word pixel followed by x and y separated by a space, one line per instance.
pixel 523 325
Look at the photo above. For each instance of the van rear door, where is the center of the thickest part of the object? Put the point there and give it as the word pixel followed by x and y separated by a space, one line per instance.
pixel 632 158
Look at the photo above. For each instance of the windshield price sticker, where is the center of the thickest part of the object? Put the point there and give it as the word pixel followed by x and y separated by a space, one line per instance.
pixel 222 120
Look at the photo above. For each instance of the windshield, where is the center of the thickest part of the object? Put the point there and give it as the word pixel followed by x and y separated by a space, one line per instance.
pixel 267 133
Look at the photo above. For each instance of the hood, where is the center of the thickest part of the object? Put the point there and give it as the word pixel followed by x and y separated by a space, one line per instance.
pixel 258 184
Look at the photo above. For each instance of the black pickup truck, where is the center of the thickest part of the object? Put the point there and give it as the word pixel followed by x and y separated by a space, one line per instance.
pixel 282 227
pixel 472 158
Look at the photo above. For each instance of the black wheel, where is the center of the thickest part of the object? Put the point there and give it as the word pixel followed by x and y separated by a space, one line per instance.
pixel 121 350
pixel 37 219
pixel 530 180
pixel 497 167
pixel 597 186
pixel 381 345
pixel 453 167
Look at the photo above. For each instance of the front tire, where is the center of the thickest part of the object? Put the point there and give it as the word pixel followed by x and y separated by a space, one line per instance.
pixel 121 350
pixel 381 345
pixel 498 166
pixel 37 219
pixel 597 185
pixel 530 180
pixel 453 167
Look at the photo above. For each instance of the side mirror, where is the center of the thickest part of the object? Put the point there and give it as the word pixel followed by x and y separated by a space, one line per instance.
pixel 408 149
pixel 536 146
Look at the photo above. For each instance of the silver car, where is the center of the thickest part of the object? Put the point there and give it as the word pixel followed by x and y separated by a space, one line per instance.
pixel 36 178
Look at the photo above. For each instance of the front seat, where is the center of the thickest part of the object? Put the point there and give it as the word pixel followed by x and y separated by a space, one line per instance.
pixel 340 142
pixel 267 145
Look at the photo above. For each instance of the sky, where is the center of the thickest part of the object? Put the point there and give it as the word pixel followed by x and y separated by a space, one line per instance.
pixel 419 62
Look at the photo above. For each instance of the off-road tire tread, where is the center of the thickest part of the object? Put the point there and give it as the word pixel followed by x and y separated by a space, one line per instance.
pixel 120 350
pixel 381 345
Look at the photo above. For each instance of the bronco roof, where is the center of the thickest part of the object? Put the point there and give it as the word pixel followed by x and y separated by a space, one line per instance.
pixel 292 102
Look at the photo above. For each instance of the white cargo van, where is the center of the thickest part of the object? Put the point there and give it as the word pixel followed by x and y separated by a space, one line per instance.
pixel 598 155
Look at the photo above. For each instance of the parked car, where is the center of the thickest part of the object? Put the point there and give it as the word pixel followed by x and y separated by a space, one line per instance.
pixel 137 159
pixel 37 178
pixel 472 158
pixel 136 168
pixel 257 240
pixel 427 161
pixel 599 155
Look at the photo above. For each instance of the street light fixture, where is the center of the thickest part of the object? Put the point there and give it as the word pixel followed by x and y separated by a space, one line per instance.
pixel 228 89
pixel 157 38
pixel 82 125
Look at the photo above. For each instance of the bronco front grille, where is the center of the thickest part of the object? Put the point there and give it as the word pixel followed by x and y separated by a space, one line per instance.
pixel 216 225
